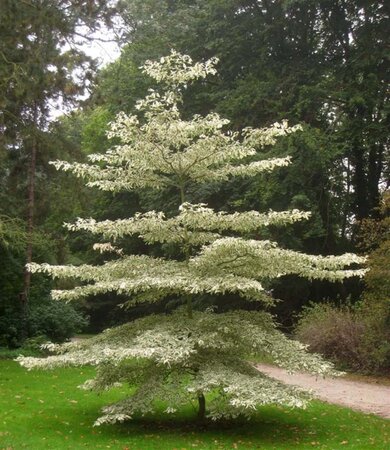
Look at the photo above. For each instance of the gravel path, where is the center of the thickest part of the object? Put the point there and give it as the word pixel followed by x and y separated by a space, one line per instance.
pixel 365 397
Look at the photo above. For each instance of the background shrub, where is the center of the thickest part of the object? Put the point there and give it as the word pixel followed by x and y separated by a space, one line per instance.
pixel 332 331
pixel 346 335
pixel 57 320
pixel 48 320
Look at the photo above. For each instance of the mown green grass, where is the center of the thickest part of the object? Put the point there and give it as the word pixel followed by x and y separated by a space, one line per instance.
pixel 44 410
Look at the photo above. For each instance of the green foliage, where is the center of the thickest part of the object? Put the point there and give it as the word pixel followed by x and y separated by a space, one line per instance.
pixel 56 320
pixel 375 237
pixel 306 185
pixel 120 83
pixel 294 60
pixel 95 124
pixel 41 64
pixel 286 59
pixel 34 64
pixel 12 233
pixel 13 353
pixel 47 319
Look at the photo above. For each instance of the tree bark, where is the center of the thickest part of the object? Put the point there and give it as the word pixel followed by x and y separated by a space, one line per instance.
pixel 24 295
pixel 375 167
pixel 202 407
pixel 360 182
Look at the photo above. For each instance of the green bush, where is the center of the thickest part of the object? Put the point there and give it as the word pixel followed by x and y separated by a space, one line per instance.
pixel 9 327
pixel 374 238
pixel 56 320
pixel 48 320
pixel 31 347
pixel 375 345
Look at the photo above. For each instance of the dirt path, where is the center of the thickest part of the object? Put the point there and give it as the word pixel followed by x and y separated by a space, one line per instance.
pixel 365 397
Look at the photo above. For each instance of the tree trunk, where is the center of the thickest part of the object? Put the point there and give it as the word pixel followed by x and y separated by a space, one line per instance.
pixel 24 295
pixel 202 407
pixel 375 167
pixel 360 182
pixel 345 211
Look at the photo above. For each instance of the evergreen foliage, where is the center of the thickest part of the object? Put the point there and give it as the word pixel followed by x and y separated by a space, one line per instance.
pixel 320 64
pixel 375 237
pixel 42 65
pixel 188 355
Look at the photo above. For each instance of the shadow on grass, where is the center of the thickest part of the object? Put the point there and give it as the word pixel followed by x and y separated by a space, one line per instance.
pixel 271 425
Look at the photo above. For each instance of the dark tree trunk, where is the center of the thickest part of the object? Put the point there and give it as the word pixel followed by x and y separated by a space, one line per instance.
pixel 347 202
pixel 24 295
pixel 202 407
pixel 360 182
pixel 375 166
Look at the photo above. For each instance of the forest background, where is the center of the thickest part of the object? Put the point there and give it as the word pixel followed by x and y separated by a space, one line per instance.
pixel 322 64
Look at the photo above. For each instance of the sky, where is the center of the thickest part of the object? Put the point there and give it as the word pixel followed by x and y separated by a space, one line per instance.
pixel 105 52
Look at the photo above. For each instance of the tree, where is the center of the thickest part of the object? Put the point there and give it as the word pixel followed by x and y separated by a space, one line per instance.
pixel 374 236
pixel 320 62
pixel 40 63
pixel 354 35
pixel 281 59
pixel 189 353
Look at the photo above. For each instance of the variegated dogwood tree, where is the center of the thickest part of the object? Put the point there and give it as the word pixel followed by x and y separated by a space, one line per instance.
pixel 188 355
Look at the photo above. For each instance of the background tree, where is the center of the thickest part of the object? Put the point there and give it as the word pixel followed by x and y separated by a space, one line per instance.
pixel 284 59
pixel 357 337
pixel 188 354
pixel 40 64
pixel 374 236
pixel 319 62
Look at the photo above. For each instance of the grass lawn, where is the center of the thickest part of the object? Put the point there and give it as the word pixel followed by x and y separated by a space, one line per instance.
pixel 44 410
